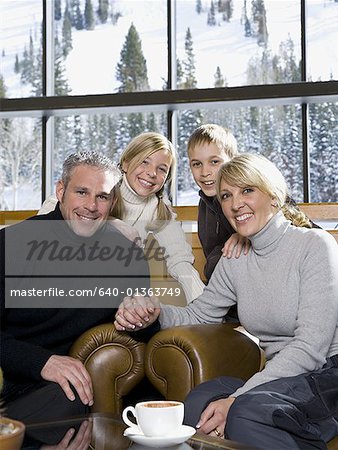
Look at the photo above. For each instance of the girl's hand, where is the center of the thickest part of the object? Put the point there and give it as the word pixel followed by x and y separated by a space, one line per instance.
pixel 136 312
pixel 214 417
pixel 236 243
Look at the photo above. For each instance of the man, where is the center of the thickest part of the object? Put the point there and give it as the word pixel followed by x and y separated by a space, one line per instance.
pixel 49 263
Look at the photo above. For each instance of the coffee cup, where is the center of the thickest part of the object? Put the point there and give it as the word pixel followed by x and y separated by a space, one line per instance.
pixel 156 418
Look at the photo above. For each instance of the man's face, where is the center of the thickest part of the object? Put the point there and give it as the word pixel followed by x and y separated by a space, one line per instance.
pixel 86 201
pixel 205 161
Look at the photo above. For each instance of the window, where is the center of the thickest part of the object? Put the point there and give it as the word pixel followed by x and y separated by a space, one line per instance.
pixel 93 74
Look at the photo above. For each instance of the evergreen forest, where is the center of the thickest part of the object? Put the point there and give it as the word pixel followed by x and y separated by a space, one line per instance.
pixel 274 131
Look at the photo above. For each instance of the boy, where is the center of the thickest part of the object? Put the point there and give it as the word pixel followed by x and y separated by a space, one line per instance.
pixel 209 147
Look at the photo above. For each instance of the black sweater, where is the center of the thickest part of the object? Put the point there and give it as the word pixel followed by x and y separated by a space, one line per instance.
pixel 29 336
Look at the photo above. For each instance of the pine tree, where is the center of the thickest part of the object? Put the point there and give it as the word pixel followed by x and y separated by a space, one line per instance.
pixel 27 63
pixel 219 79
pixel 188 120
pixel 78 19
pixel 89 20
pixel 179 74
pixel 229 9
pixel 131 71
pixel 290 70
pixel 211 21
pixel 221 5
pixel 246 21
pixel 198 6
pixel 151 124
pixel 78 134
pixel 57 10
pixel 61 86
pixel 66 32
pixel 103 10
pixel 37 88
pixel 259 21
pixel 17 64
pixel 2 87
pixel 262 38
pixel 71 11
pixel 189 79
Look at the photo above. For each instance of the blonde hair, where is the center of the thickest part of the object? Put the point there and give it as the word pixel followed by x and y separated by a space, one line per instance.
pixel 250 169
pixel 139 149
pixel 211 133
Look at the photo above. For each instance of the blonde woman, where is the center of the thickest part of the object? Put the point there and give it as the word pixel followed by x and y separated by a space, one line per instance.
pixel 286 291
pixel 148 163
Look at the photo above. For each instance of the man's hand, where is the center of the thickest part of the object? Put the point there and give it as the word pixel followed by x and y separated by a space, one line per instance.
pixel 80 441
pixel 214 417
pixel 137 312
pixel 236 243
pixel 64 370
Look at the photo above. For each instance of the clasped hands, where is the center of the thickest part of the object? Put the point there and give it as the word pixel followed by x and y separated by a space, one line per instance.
pixel 137 312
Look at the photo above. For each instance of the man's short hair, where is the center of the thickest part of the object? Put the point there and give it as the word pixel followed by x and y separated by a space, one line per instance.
pixel 89 158
pixel 211 133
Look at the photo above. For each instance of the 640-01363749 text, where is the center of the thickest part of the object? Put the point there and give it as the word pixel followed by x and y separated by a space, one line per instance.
pixel 100 291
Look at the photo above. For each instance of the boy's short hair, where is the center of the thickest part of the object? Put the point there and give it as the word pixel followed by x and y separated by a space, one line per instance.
pixel 211 133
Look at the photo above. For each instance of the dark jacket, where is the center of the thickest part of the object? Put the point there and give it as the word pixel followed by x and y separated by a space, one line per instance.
pixel 30 335
pixel 213 231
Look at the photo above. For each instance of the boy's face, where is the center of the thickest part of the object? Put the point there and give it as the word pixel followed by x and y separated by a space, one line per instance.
pixel 205 161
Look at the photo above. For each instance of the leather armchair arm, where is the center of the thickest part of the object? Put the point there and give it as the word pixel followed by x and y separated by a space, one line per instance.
pixel 114 361
pixel 178 359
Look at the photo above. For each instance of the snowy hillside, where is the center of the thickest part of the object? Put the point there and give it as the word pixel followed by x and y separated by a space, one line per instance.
pixel 90 67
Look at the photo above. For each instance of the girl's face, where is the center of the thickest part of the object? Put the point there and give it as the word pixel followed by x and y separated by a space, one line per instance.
pixel 247 209
pixel 149 177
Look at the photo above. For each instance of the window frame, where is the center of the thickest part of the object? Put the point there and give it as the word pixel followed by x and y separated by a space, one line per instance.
pixel 172 100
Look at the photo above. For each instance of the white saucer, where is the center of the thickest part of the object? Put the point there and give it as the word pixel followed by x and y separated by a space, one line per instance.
pixel 184 433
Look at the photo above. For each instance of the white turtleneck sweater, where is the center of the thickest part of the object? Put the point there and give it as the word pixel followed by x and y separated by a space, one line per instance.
pixel 286 290
pixel 179 258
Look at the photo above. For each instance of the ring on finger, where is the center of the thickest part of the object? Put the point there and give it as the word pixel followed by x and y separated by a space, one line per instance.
pixel 217 432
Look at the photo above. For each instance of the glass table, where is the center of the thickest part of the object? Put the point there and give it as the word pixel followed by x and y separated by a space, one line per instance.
pixel 104 432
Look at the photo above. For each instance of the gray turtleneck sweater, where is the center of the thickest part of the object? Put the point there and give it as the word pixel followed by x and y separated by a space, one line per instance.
pixel 286 290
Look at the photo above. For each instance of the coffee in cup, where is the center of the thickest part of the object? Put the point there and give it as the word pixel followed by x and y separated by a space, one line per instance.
pixel 156 418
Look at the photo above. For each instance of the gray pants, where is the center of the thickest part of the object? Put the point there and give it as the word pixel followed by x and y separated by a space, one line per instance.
pixel 291 413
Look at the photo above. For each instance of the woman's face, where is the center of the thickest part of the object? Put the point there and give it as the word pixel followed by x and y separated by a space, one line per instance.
pixel 247 209
pixel 149 177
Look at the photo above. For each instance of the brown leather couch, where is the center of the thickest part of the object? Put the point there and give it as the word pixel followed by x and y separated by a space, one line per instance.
pixel 115 362
pixel 178 359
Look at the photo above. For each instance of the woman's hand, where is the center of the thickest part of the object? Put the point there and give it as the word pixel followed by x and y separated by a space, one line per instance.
pixel 236 243
pixel 214 417
pixel 137 312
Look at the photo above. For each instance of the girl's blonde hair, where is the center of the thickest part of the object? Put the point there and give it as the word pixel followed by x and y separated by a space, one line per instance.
pixel 249 169
pixel 139 149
